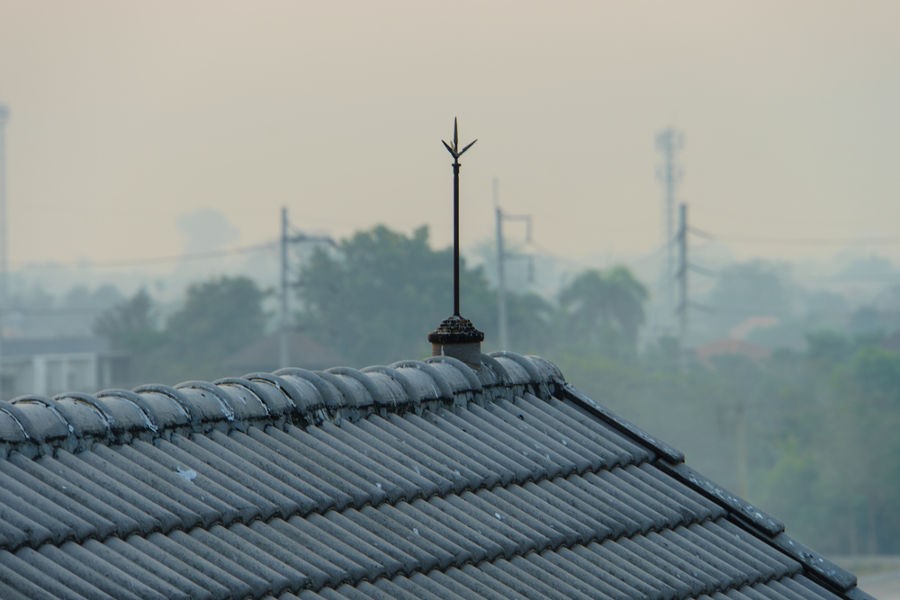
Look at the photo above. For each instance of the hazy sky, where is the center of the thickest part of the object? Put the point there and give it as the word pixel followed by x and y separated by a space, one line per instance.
pixel 126 116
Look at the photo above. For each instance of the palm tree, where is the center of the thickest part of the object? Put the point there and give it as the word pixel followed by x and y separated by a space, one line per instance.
pixel 604 308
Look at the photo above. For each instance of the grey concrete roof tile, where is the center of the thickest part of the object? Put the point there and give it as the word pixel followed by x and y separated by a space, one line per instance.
pixel 627 518
pixel 195 559
pixel 333 594
pixel 383 541
pixel 799 582
pixel 556 576
pixel 138 559
pixel 513 424
pixel 446 546
pixel 346 474
pixel 488 442
pixel 506 468
pixel 584 573
pixel 519 576
pixel 406 535
pixel 748 593
pixel 87 567
pixel 588 451
pixel 369 462
pixel 777 563
pixel 419 586
pixel 189 510
pixel 452 463
pixel 497 580
pixel 428 481
pixel 321 571
pixel 713 537
pixel 91 496
pixel 627 489
pixel 15 584
pixel 620 562
pixel 685 499
pixel 304 595
pixel 532 460
pixel 353 564
pixel 531 509
pixel 781 589
pixel 554 494
pixel 622 426
pixel 57 571
pixel 247 503
pixel 476 546
pixel 582 426
pixel 499 538
pixel 722 556
pixel 481 587
pixel 680 563
pixel 254 485
pixel 286 494
pixel 453 585
pixel 379 561
pixel 324 485
pixel 382 589
pixel 509 535
pixel 244 561
pixel 595 505
pixel 48 583
pixel 378 457
pixel 146 511
pixel 60 566
pixel 551 576
pixel 25 523
pixel 261 544
pixel 207 498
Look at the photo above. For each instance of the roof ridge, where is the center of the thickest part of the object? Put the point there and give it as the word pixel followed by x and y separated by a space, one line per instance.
pixel 38 425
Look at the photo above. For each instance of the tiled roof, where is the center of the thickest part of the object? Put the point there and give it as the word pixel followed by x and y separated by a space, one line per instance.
pixel 419 480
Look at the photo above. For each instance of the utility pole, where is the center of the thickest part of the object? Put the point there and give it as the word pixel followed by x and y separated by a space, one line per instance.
pixel 4 240
pixel 682 273
pixel 283 354
pixel 501 274
pixel 287 239
pixel 502 257
pixel 668 142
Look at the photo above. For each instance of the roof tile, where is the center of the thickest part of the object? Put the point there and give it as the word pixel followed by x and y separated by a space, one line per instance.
pixel 423 479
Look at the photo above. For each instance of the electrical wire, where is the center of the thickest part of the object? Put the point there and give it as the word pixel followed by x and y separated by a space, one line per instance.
pixel 135 262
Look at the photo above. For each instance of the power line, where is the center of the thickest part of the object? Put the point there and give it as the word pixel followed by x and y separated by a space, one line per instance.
pixel 824 241
pixel 134 262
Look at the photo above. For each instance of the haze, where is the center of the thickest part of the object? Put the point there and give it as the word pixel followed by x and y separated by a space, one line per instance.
pixel 125 117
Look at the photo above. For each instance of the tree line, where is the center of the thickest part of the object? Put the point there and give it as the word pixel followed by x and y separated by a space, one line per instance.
pixel 807 433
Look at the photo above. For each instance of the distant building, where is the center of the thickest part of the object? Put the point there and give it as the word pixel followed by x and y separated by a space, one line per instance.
pixel 48 366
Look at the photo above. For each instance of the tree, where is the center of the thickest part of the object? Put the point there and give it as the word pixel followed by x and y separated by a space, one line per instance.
pixel 378 296
pixel 218 317
pixel 750 289
pixel 130 326
pixel 604 309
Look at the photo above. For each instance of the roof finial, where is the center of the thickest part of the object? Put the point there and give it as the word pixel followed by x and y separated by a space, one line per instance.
pixel 457 336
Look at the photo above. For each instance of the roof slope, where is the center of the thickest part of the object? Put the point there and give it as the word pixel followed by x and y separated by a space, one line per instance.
pixel 422 480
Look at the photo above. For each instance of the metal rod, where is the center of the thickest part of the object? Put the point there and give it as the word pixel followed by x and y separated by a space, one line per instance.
pixel 456 236
pixel 455 152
